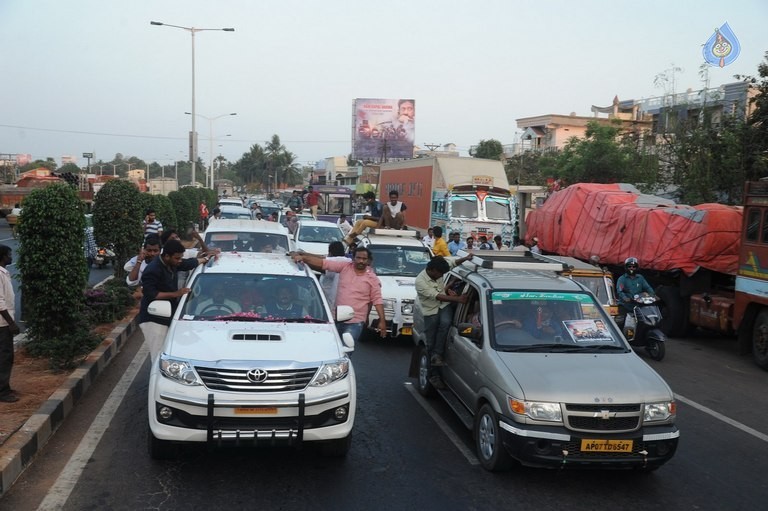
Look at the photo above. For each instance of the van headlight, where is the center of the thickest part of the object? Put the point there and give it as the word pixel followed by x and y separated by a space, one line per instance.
pixel 178 370
pixel 656 412
pixel 537 410
pixel 407 308
pixel 331 372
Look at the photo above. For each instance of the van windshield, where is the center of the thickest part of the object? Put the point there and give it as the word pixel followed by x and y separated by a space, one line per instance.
pixel 544 322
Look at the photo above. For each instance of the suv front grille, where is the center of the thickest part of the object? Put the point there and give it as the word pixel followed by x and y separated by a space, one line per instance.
pixel 236 380
pixel 602 418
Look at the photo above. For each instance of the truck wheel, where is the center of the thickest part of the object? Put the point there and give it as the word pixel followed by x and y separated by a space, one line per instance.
pixel 760 339
pixel 674 320
pixel 159 449
pixel 422 378
pixel 337 448
pixel 490 448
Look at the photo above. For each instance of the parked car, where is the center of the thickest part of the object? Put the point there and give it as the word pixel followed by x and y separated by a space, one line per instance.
pixel 252 357
pixel 248 236
pixel 398 256
pixel 542 375
pixel 231 201
pixel 313 236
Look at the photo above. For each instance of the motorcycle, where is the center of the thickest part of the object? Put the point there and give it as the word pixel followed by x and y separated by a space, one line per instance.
pixel 641 327
pixel 104 256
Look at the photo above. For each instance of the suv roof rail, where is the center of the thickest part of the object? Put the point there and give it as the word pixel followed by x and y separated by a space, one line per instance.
pixel 512 261
pixel 395 233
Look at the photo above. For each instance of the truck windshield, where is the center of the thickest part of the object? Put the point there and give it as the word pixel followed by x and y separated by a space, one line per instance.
pixel 464 206
pixel 497 208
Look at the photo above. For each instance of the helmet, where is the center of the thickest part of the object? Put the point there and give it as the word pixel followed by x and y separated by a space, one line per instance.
pixel 631 264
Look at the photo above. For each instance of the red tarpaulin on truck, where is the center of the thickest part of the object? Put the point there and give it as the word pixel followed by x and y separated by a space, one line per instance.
pixel 611 222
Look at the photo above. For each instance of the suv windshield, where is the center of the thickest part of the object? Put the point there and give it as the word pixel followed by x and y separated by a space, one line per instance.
pixel 319 234
pixel 239 241
pixel 550 322
pixel 397 260
pixel 238 297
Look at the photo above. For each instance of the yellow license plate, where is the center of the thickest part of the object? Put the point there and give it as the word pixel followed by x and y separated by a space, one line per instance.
pixel 259 410
pixel 588 445
pixel 406 330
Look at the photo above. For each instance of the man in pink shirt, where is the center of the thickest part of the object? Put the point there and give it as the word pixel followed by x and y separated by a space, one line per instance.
pixel 359 287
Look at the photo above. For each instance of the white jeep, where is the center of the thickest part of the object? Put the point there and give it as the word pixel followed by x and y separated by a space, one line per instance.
pixel 252 357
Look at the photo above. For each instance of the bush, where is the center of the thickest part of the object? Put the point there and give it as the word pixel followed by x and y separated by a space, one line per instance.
pixel 117 217
pixel 108 303
pixel 53 273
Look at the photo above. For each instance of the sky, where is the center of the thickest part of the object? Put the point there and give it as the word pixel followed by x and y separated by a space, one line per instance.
pixel 94 76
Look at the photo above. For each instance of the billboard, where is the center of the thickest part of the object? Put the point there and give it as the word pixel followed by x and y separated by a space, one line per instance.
pixel 383 129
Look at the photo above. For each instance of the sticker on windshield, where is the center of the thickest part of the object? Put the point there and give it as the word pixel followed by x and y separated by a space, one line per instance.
pixel 587 330
pixel 499 296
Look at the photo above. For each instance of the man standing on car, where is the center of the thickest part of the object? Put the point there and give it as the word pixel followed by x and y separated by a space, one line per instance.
pixel 160 282
pixel 313 200
pixel 8 326
pixel 358 287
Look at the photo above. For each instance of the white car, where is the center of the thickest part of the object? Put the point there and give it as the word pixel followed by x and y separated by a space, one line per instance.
pixel 314 236
pixel 398 256
pixel 235 212
pixel 248 236
pixel 231 201
pixel 252 357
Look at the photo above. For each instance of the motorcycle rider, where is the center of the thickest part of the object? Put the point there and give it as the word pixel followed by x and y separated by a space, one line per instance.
pixel 631 284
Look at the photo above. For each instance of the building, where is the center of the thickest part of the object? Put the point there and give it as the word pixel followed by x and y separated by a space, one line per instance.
pixel 655 115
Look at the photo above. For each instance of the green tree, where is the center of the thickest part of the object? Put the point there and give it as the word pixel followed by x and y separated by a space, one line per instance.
pixel 117 220
pixel 489 149
pixel 54 275
pixel 604 155
pixel 755 137
pixel 49 163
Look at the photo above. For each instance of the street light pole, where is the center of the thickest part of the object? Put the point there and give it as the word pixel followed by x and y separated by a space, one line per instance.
pixel 193 135
pixel 209 182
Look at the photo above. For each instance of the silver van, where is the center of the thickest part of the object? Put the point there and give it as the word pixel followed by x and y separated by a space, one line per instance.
pixel 542 375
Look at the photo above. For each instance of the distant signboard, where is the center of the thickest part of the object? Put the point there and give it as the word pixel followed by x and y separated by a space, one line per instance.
pixel 383 129
pixel 68 159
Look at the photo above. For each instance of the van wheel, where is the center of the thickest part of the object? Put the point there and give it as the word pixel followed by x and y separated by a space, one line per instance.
pixel 159 449
pixel 425 388
pixel 337 448
pixel 490 448
pixel 760 339
pixel 674 317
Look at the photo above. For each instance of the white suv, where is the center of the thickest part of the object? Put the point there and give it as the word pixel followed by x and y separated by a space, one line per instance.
pixel 398 256
pixel 252 357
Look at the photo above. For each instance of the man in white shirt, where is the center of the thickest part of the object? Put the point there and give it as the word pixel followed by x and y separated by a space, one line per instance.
pixel 8 326
pixel 393 212
pixel 343 224
pixel 136 264
pixel 429 239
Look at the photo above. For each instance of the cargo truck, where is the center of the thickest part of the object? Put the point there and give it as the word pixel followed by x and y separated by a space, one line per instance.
pixel 468 195
pixel 708 263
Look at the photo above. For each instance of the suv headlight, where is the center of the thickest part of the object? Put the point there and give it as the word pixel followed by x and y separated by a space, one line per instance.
pixel 179 370
pixel 330 372
pixel 389 303
pixel 656 412
pixel 537 410
pixel 407 308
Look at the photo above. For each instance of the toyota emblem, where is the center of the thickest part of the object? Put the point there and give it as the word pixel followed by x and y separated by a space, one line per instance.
pixel 257 375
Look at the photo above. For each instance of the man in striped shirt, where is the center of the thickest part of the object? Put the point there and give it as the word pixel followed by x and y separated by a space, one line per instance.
pixel 151 224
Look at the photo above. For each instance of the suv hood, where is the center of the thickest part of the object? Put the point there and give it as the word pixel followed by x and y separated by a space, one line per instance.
pixel 395 286
pixel 238 340
pixel 581 378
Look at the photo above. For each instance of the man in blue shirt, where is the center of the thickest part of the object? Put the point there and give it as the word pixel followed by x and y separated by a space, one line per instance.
pixel 456 244
pixel 370 220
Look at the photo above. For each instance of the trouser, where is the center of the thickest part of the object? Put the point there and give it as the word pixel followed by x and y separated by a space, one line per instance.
pixel 6 359
pixel 154 335
pixel 436 329
pixel 360 226
pixel 391 222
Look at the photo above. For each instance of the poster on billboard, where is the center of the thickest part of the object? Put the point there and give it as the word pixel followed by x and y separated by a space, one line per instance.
pixel 383 129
